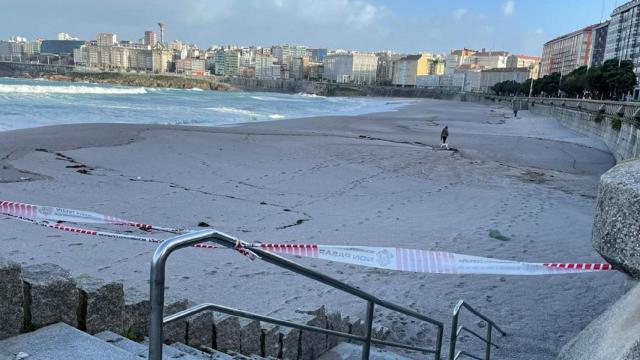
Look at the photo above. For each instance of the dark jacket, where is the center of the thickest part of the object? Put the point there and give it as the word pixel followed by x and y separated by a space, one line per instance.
pixel 445 132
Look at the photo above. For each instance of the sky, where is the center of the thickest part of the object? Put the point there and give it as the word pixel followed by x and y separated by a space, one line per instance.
pixel 517 26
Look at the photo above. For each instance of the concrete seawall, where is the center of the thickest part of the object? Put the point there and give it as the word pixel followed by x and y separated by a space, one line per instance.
pixel 615 334
pixel 623 142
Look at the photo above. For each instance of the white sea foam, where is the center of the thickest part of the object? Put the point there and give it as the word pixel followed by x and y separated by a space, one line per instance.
pixel 276 116
pixel 230 110
pixel 68 89
pixel 310 95
pixel 196 89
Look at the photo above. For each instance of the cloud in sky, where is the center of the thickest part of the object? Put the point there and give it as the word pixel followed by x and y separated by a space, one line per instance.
pixel 458 14
pixel 509 8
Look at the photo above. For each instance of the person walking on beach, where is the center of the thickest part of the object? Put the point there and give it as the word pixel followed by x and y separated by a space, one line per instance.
pixel 515 109
pixel 443 137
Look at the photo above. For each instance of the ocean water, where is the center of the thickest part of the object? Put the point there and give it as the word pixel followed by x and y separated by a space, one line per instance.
pixel 31 103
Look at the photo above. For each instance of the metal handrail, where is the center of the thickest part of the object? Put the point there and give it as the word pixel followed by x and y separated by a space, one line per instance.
pixel 455 332
pixel 157 282
pixel 249 315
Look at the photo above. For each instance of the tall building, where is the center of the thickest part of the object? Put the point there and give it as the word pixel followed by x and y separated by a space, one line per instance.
pixel 599 43
pixel 568 52
pixel 456 59
pixel 265 67
pixel 407 68
pixel 191 67
pixel 150 38
pixel 231 63
pixel 525 61
pixel 384 71
pixel 162 59
pixel 436 65
pixel 298 68
pixel 318 55
pixel 488 59
pixel 357 68
pixel 60 46
pixel 106 39
pixel 622 34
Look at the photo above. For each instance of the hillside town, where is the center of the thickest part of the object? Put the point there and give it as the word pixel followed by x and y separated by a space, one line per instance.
pixel 469 70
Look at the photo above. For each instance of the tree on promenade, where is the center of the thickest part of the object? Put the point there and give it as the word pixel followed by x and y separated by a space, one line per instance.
pixel 612 80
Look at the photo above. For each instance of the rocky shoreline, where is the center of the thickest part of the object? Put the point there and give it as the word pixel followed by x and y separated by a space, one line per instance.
pixel 146 80
pixel 59 73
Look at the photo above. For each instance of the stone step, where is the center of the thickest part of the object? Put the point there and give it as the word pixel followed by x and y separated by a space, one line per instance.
pixel 141 350
pixel 60 342
pixel 348 351
pixel 121 342
pixel 214 355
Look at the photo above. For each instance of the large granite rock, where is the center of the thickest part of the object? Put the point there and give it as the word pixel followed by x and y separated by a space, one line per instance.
pixel 176 331
pixel 614 335
pixel 616 227
pixel 100 306
pixel 11 298
pixel 290 343
pixel 272 340
pixel 250 337
pixel 228 332
pixel 136 313
pixel 51 296
pixel 200 329
pixel 336 322
pixel 312 344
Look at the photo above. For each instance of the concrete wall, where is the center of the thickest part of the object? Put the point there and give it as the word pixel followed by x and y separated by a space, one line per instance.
pixel 39 295
pixel 622 143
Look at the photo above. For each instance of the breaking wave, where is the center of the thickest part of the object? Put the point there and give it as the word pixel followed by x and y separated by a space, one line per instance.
pixel 68 89
pixel 231 110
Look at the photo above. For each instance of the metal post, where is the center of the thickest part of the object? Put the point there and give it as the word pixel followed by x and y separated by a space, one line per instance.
pixel 366 347
pixel 454 334
pixel 439 342
pixel 156 300
pixel 487 354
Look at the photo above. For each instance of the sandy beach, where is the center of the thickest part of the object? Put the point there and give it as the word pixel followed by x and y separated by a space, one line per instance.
pixel 374 179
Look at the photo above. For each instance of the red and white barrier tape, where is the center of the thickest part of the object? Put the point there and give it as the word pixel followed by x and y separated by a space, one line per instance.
pixel 56 214
pixel 390 258
pixel 424 261
pixel 73 229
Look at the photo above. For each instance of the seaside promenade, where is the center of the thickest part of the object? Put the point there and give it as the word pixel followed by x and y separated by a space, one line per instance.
pixel 373 179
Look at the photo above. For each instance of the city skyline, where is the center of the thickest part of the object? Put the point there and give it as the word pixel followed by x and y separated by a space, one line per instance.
pixel 371 25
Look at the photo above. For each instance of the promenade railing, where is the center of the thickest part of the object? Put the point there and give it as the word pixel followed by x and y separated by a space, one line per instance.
pixel 456 331
pixel 157 296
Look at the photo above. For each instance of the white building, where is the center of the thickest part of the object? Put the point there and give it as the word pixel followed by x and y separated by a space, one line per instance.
pixel 231 63
pixel 265 67
pixel 191 67
pixel 357 68
pixel 66 36
pixel 488 59
pixel 106 39
pixel 491 77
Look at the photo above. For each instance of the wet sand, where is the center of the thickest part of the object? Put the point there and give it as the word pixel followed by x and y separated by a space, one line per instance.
pixel 373 179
